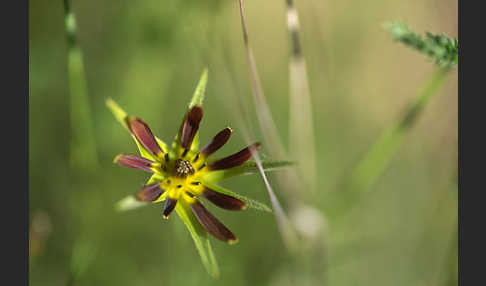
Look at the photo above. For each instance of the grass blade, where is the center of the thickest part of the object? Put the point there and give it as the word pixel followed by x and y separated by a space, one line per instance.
pixel 301 126
pixel 271 137
pixel 83 145
pixel 263 112
pixel 375 160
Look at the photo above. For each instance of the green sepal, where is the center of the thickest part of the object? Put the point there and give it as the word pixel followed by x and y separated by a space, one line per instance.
pixel 144 152
pixel 123 117
pixel 245 169
pixel 200 238
pixel 250 202
pixel 197 99
pixel 198 96
pixel 129 203
pixel 155 178
pixel 118 112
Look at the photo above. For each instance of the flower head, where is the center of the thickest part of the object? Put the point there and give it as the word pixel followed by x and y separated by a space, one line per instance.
pixel 184 175
pixel 180 173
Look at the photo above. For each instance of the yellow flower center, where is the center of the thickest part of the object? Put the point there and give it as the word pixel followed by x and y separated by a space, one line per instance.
pixel 182 177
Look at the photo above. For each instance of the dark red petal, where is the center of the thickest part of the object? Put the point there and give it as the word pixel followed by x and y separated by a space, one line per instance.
pixel 135 162
pixel 144 135
pixel 169 206
pixel 235 159
pixel 224 201
pixel 190 126
pixel 212 225
pixel 149 193
pixel 217 142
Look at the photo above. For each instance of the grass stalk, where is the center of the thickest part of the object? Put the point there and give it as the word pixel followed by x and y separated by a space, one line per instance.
pixel 376 159
pixel 263 112
pixel 301 127
pixel 271 137
pixel 83 145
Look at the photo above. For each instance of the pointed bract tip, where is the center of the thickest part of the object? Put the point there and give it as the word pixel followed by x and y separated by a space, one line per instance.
pixel 117 157
pixel 233 241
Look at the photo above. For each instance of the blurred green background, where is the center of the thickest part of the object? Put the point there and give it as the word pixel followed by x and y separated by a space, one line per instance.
pixel 148 56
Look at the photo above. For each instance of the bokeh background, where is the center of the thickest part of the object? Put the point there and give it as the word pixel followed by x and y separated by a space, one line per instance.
pixel 148 56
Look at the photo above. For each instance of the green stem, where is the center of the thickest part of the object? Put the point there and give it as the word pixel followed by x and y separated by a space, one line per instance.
pixel 83 144
pixel 374 162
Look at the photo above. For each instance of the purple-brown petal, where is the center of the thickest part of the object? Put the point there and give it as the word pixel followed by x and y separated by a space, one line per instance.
pixel 134 162
pixel 211 224
pixel 235 159
pixel 224 201
pixel 149 193
pixel 190 126
pixel 217 142
pixel 169 206
pixel 144 135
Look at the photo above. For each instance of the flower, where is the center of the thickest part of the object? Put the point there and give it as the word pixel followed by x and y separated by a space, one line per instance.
pixel 185 173
pixel 181 172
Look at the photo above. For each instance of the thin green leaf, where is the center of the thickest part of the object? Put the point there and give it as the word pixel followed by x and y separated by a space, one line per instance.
pixel 250 202
pixel 200 238
pixel 246 169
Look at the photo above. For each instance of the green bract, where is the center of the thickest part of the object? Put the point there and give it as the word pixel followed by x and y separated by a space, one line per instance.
pixel 184 173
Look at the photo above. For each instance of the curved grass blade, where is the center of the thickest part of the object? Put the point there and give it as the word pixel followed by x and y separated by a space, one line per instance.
pixel 200 238
pixel 246 168
pixel 289 235
pixel 267 126
pixel 250 202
